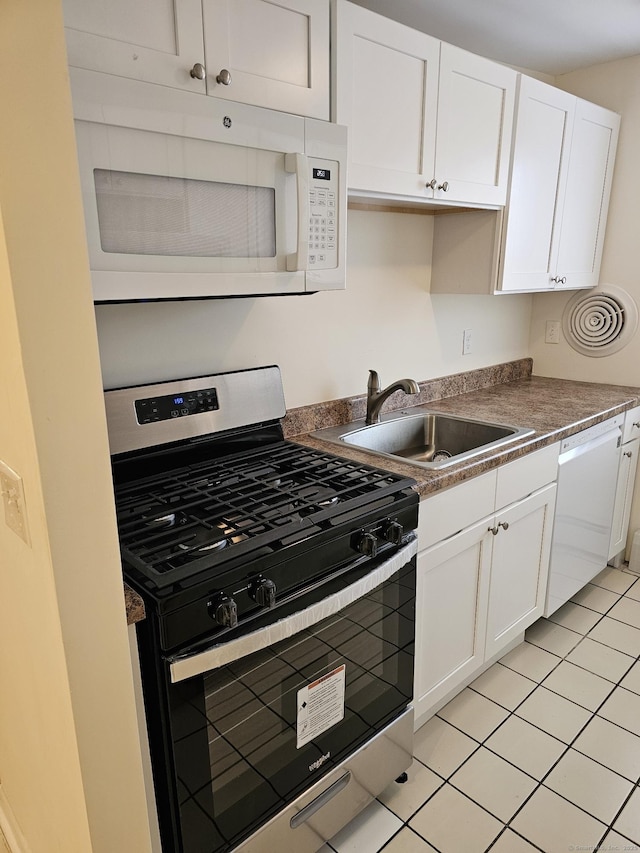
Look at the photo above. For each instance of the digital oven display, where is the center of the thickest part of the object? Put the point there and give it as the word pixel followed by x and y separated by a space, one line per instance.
pixel 153 409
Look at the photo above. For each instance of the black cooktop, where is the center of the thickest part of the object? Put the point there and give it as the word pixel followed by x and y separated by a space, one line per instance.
pixel 200 516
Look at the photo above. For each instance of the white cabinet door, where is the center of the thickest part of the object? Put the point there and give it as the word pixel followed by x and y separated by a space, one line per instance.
pixel 451 603
pixel 544 125
pixel 157 41
pixel 624 495
pixel 475 118
pixel 586 201
pixel 386 91
pixel 519 568
pixel 277 53
pixel 426 119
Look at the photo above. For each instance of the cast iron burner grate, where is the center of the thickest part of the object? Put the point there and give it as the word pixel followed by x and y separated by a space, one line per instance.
pixel 269 497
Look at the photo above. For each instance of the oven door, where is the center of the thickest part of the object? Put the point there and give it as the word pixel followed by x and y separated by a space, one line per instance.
pixel 256 722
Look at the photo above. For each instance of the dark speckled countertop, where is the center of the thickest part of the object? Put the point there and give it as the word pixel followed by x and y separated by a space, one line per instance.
pixel 554 408
pixel 506 393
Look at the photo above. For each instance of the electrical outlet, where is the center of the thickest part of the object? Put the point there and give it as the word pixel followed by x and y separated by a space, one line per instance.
pixel 12 491
pixel 552 332
pixel 466 341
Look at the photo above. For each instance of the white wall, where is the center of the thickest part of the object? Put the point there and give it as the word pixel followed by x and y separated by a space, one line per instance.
pixel 386 319
pixel 70 770
pixel 615 85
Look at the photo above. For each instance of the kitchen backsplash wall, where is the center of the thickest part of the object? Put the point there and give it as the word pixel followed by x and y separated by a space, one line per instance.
pixel 615 85
pixel 325 344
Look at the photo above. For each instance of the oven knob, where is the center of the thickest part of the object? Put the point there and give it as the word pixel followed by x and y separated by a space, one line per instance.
pixel 393 532
pixel 263 592
pixel 367 544
pixel 224 611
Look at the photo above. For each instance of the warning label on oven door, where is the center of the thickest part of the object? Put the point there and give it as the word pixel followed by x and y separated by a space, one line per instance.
pixel 320 705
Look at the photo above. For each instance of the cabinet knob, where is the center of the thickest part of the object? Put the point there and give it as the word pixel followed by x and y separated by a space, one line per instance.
pixel 559 280
pixel 628 453
pixel 198 71
pixel 224 77
pixel 493 530
pixel 636 424
pixel 444 186
pixel 431 185
pixel 503 524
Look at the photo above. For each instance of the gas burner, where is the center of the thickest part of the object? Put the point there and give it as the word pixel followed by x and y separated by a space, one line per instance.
pixel 319 495
pixel 202 541
pixel 162 521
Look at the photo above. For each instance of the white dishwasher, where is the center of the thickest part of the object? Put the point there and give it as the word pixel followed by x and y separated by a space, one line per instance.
pixel 587 476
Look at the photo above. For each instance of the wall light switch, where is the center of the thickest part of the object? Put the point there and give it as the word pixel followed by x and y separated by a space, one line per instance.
pixel 12 491
pixel 552 332
pixel 466 342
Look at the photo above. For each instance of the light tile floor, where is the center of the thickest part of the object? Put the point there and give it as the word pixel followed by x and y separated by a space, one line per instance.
pixel 541 752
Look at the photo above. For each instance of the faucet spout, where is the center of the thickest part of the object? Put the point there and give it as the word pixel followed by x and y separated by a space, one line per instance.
pixel 376 397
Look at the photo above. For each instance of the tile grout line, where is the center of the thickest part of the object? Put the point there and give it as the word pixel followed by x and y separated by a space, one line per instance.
pixel 512 712
pixel 540 783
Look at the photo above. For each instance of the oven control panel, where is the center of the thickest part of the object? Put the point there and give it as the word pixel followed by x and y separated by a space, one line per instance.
pixel 180 405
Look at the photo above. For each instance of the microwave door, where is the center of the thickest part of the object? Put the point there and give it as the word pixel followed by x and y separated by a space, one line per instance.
pixel 173 217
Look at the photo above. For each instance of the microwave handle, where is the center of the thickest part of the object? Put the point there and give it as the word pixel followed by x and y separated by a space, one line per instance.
pixel 298 164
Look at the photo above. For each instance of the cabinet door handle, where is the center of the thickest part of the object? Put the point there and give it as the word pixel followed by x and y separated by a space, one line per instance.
pixel 224 77
pixel 493 530
pixel 198 71
pixel 636 424
pixel 558 280
pixel 444 186
pixel 431 185
pixel 503 524
pixel 628 453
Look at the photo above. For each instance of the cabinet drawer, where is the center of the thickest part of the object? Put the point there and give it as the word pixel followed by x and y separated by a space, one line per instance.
pixel 450 511
pixel 631 428
pixel 522 476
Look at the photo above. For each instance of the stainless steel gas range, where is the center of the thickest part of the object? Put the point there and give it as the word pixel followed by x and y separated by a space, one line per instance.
pixel 279 586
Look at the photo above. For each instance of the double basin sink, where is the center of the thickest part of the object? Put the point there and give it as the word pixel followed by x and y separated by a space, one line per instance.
pixel 422 437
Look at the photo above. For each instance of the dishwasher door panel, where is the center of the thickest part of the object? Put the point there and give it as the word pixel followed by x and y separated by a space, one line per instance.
pixel 587 476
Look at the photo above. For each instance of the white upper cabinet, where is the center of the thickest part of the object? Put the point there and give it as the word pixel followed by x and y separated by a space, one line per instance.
pixel 156 41
pixel 426 119
pixel 586 201
pixel 385 81
pixel 475 118
pixel 563 156
pixel 551 233
pixel 542 142
pixel 276 54
pixel 273 55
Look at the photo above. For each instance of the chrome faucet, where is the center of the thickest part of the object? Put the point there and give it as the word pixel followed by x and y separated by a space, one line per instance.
pixel 376 397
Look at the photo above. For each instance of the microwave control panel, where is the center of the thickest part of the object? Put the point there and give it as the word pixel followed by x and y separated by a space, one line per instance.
pixel 323 214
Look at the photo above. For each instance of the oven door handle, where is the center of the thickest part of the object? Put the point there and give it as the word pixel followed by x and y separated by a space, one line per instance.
pixel 187 666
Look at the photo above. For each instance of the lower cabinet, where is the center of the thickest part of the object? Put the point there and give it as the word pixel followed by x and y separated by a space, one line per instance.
pixel 519 566
pixel 479 588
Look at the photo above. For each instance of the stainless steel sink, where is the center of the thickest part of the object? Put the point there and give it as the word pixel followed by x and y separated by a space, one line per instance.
pixel 429 439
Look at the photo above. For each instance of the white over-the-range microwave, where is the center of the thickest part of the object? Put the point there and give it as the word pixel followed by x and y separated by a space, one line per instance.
pixel 186 196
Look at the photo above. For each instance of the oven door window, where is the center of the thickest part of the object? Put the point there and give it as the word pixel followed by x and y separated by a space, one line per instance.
pixel 242 743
